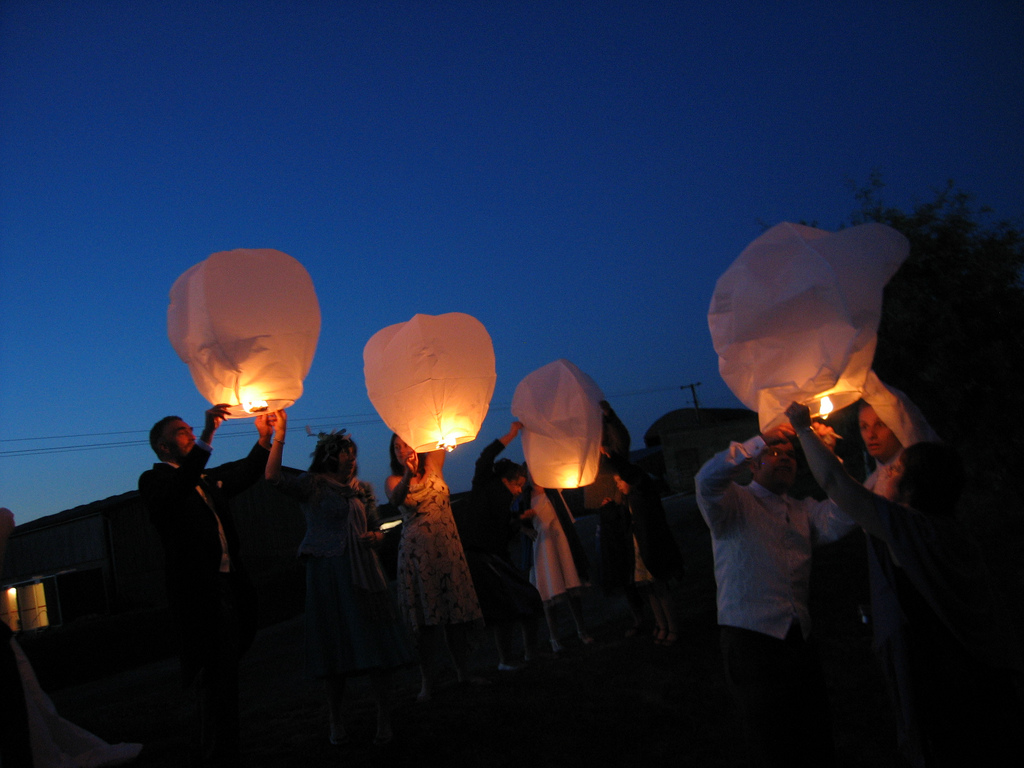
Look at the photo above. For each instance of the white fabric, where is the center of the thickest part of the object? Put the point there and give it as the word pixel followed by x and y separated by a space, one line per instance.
pixel 560 408
pixel 762 544
pixel 58 743
pixel 553 572
pixel 795 317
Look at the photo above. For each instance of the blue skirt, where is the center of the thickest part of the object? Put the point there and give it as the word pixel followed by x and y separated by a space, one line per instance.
pixel 348 629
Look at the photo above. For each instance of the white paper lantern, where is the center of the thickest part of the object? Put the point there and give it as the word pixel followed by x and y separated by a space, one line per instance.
pixel 246 322
pixel 431 378
pixel 796 315
pixel 559 406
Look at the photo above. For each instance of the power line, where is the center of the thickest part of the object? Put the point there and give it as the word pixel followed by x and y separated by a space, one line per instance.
pixel 359 419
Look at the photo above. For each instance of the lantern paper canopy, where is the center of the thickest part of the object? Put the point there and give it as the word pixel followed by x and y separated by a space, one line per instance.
pixel 246 322
pixel 899 413
pixel 431 378
pixel 795 317
pixel 559 406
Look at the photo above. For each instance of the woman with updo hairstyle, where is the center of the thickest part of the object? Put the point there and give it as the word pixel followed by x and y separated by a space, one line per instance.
pixel 351 625
pixel 435 588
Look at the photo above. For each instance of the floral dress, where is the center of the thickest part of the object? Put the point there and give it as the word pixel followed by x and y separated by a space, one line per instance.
pixel 434 584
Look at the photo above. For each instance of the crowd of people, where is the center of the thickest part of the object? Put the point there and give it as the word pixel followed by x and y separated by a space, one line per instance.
pixel 952 666
pixel 452 577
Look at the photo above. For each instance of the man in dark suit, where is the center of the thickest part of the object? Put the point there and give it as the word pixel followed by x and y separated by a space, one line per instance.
pixel 211 598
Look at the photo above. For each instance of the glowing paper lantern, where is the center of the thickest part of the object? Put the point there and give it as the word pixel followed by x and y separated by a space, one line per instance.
pixel 796 315
pixel 559 406
pixel 246 322
pixel 431 378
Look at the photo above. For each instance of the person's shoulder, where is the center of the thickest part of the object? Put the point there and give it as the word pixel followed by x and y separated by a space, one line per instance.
pixel 155 472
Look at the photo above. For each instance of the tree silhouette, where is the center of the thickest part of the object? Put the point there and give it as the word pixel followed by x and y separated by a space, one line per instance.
pixel 952 330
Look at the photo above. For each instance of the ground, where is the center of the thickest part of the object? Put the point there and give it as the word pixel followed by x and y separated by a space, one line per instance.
pixel 621 702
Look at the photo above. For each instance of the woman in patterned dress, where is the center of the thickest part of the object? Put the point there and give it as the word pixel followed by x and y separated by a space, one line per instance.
pixel 435 589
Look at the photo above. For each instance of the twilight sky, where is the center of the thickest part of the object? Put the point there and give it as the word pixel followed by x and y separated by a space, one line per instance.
pixel 576 175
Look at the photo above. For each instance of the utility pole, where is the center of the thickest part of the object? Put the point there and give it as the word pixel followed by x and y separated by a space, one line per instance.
pixel 693 391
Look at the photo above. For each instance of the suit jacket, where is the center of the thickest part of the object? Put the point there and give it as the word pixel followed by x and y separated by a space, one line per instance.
pixel 192 549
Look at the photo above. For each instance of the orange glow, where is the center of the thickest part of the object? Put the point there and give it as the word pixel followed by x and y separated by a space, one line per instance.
pixel 825 407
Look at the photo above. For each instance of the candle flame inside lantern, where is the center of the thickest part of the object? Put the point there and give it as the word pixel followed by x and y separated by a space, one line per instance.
pixel 825 407
pixel 254 406
pixel 447 443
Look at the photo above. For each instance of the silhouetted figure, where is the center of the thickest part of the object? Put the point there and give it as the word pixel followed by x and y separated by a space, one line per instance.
pixel 212 600
pixel 762 540
pixel 487 527
pixel 961 663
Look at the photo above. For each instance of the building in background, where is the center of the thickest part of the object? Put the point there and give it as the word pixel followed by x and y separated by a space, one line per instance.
pixel 689 437
pixel 104 558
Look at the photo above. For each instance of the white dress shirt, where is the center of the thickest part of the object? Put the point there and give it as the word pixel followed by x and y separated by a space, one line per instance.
pixel 762 544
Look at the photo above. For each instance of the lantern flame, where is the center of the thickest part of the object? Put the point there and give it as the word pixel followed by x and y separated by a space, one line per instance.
pixel 254 406
pixel 447 443
pixel 825 407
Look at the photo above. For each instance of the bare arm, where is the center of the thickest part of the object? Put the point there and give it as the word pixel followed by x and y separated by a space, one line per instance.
pixel 273 470
pixel 512 432
pixel 265 428
pixel 397 486
pixel 213 418
pixel 852 498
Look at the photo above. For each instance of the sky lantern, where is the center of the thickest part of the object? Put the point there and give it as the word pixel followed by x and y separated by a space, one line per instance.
pixel 431 378
pixel 246 322
pixel 559 406
pixel 796 316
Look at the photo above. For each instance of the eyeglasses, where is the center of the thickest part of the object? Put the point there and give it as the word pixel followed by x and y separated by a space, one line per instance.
pixel 776 452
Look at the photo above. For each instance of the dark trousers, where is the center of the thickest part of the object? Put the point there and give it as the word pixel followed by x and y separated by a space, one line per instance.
pixel 215 739
pixel 779 689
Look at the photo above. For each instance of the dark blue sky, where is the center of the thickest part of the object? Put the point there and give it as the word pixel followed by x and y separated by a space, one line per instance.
pixel 576 175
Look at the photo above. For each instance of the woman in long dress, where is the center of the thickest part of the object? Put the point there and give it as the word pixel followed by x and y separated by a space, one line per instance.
pixel 435 588
pixel 351 625
pixel 559 562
